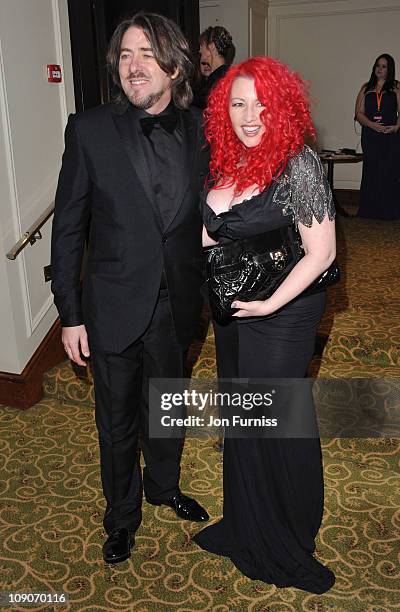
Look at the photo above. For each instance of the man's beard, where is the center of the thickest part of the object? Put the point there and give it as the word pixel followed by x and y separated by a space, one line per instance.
pixel 140 101
pixel 145 102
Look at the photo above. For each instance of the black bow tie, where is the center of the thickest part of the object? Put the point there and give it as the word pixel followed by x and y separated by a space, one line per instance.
pixel 167 122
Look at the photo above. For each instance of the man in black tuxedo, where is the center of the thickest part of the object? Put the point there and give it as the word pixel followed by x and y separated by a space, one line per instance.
pixel 130 178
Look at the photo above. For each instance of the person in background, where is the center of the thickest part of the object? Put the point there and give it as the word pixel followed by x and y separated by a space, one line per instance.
pixel 205 59
pixel 200 78
pixel 217 53
pixel 264 177
pixel 130 177
pixel 378 112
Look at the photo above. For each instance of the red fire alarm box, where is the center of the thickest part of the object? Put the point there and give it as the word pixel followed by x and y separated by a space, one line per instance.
pixel 54 73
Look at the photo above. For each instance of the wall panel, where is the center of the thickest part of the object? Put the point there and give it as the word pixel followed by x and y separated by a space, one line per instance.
pixel 33 114
pixel 258 28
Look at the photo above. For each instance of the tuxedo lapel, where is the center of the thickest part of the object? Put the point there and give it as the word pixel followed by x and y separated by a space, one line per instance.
pixel 188 126
pixel 133 148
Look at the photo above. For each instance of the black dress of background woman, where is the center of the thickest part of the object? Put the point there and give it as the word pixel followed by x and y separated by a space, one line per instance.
pixel 377 110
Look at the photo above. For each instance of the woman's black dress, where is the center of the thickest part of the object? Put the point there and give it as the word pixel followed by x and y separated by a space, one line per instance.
pixel 273 488
pixel 380 184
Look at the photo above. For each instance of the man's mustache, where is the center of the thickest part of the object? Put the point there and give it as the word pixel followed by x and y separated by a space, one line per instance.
pixel 138 75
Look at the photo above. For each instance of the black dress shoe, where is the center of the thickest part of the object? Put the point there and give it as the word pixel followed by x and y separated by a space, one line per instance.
pixel 118 545
pixel 184 507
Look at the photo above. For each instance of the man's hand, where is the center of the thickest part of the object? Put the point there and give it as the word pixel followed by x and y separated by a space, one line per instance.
pixel 75 342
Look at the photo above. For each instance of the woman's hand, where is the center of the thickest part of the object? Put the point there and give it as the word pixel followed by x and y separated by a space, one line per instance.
pixel 378 127
pixel 391 129
pixel 258 308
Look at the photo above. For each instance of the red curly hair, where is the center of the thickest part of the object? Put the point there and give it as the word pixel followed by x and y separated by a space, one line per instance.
pixel 286 118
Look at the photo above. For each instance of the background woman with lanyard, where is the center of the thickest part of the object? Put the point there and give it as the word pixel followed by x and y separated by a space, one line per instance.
pixel 377 110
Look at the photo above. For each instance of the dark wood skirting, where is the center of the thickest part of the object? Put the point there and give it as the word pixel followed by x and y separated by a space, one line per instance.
pixel 348 197
pixel 24 390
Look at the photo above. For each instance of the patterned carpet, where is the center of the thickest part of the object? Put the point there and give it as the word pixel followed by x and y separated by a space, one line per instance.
pixel 51 501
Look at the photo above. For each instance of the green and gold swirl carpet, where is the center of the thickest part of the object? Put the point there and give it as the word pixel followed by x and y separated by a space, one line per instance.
pixel 51 501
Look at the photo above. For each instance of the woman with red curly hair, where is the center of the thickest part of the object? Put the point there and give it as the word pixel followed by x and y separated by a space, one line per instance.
pixel 263 177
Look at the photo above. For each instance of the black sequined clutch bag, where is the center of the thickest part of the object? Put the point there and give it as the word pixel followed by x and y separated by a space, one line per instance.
pixel 253 268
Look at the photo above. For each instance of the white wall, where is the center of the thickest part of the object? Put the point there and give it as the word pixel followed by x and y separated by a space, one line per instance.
pixel 33 112
pixel 331 43
pixel 258 27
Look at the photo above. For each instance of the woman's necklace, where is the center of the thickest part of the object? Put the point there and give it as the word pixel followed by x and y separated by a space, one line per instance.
pixel 379 99
pixel 379 93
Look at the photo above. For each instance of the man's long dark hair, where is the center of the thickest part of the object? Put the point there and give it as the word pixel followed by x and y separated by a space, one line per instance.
pixel 390 82
pixel 171 52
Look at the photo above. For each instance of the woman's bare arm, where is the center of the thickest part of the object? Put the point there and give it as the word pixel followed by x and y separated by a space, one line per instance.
pixel 395 128
pixel 206 239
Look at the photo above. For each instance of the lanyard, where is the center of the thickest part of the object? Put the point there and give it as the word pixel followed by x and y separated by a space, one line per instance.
pixel 379 99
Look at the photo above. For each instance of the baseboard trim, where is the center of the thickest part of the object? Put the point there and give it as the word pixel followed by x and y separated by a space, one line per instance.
pixel 348 197
pixel 24 390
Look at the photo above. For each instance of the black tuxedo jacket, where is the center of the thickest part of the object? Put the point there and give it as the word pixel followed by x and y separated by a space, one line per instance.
pixel 104 195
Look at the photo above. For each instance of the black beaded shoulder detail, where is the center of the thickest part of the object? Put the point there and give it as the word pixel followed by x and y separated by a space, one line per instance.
pixel 303 190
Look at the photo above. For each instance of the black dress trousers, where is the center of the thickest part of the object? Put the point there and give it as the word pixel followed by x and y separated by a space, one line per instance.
pixel 122 416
